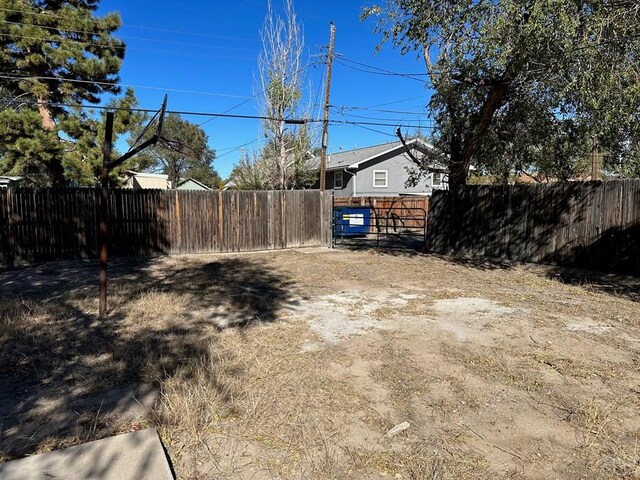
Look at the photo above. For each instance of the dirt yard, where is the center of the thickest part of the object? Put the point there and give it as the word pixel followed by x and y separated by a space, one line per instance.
pixel 297 364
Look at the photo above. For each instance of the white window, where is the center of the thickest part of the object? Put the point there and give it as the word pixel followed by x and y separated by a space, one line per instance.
pixel 380 178
pixel 436 179
pixel 337 180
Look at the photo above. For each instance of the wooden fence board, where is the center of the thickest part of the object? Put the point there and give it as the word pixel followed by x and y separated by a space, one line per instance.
pixel 39 225
pixel 587 225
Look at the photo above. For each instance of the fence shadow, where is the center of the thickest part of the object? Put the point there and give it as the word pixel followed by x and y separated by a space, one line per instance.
pixel 594 226
pixel 60 366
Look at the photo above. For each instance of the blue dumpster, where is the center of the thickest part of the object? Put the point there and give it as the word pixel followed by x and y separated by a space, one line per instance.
pixel 351 221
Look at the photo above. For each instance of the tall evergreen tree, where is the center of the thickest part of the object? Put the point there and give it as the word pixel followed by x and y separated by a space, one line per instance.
pixel 53 52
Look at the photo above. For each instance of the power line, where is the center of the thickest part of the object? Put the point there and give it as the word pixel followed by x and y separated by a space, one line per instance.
pixel 141 27
pixel 379 124
pixel 113 84
pixel 382 70
pixel 127 48
pixel 376 131
pixel 382 119
pixel 187 44
pixel 215 114
pixel 400 112
pixel 379 71
pixel 395 102
pixel 148 110
pixel 235 149
pixel 257 94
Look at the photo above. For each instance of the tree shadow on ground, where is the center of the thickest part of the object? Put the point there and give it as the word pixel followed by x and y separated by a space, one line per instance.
pixel 625 286
pixel 58 359
pixel 612 284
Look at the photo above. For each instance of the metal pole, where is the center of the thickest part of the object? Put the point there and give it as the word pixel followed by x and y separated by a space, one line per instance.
pixel 104 212
pixel 325 123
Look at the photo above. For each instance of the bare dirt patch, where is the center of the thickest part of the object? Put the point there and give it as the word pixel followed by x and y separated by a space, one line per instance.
pixel 296 365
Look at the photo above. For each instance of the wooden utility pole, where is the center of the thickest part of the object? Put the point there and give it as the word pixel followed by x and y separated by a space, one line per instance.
pixel 325 123
pixel 104 211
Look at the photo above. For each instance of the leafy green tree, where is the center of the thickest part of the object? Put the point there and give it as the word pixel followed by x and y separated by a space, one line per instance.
pixel 52 52
pixel 250 173
pixel 521 83
pixel 182 152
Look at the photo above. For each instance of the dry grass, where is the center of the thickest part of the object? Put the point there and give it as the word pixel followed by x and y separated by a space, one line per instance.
pixel 221 342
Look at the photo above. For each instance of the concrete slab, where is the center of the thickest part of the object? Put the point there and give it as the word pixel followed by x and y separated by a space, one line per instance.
pixel 132 456
pixel 30 415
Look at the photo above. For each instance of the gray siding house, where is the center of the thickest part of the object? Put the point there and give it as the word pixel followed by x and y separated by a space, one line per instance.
pixel 381 170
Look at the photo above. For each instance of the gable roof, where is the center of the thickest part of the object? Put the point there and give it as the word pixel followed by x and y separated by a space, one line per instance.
pixel 189 179
pixel 353 158
pixel 131 173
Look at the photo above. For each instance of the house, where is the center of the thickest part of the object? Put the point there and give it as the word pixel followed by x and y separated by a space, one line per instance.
pixel 192 184
pixel 381 170
pixel 138 180
pixel 230 185
pixel 9 182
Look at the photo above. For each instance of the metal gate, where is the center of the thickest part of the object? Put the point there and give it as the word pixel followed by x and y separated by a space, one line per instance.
pixel 400 226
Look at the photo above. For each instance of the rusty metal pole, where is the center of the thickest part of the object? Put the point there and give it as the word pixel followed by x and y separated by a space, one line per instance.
pixel 325 122
pixel 104 212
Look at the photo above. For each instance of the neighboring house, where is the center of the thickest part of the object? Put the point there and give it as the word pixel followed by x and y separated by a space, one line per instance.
pixel 381 170
pixel 192 184
pixel 230 185
pixel 10 182
pixel 138 180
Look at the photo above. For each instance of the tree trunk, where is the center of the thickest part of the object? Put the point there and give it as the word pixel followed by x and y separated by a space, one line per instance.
pixel 55 167
pixel 283 159
pixel 48 123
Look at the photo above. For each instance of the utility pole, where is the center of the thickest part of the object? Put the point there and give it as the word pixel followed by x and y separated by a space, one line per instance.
pixel 325 123
pixel 104 211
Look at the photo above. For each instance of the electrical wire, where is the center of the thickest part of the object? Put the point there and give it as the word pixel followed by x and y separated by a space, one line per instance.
pixel 345 114
pixel 400 112
pixel 171 42
pixel 235 149
pixel 255 96
pixel 215 114
pixel 141 27
pixel 113 84
pixel 376 131
pixel 148 110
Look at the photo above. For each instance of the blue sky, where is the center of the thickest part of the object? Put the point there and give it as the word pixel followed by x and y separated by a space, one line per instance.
pixel 211 47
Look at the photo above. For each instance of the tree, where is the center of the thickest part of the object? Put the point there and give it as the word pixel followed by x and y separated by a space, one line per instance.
pixel 284 158
pixel 85 131
pixel 517 81
pixel 53 52
pixel 250 173
pixel 182 152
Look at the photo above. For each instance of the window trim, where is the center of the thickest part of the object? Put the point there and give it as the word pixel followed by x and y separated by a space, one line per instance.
pixel 386 178
pixel 433 177
pixel 335 183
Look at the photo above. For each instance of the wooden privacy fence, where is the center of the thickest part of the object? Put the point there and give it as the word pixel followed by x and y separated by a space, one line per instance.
pixel 594 225
pixel 393 213
pixel 38 225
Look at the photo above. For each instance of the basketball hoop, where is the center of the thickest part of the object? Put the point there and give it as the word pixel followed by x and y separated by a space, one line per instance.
pixel 107 166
